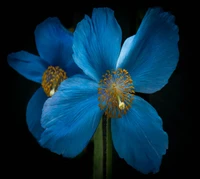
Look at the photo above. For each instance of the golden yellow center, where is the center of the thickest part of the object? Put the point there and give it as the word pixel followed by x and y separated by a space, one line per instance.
pixel 116 93
pixel 52 78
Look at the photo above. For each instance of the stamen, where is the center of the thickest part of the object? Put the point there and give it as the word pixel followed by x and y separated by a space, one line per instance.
pixel 116 93
pixel 51 79
pixel 121 104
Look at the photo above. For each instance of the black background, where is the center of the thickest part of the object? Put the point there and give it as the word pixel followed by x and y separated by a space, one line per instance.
pixel 23 156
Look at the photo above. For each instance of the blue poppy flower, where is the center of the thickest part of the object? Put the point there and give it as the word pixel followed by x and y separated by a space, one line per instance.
pixel 143 64
pixel 53 65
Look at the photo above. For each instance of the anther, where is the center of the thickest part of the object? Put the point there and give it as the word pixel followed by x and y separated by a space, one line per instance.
pixel 51 79
pixel 116 93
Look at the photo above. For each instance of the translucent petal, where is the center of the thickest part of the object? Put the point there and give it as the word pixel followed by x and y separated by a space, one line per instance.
pixel 54 44
pixel 34 112
pixel 139 138
pixel 152 54
pixel 97 43
pixel 70 117
pixel 28 65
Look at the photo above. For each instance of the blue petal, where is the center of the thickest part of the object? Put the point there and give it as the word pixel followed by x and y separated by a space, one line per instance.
pixel 54 44
pixel 138 137
pixel 72 69
pixel 97 43
pixel 152 54
pixel 28 65
pixel 34 112
pixel 70 117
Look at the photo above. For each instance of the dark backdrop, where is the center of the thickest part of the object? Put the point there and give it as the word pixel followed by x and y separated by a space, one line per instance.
pixel 23 156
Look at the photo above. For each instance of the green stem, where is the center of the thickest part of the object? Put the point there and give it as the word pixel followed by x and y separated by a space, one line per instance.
pixel 102 159
pixel 98 153
pixel 108 149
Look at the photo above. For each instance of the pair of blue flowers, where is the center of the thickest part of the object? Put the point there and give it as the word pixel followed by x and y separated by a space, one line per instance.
pixel 88 73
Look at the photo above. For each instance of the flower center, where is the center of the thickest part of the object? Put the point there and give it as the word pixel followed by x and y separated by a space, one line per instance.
pixel 116 92
pixel 52 78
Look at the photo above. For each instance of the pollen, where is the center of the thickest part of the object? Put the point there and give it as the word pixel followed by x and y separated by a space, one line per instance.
pixel 52 78
pixel 116 93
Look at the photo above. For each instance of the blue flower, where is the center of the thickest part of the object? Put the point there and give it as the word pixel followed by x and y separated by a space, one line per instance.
pixel 143 64
pixel 53 65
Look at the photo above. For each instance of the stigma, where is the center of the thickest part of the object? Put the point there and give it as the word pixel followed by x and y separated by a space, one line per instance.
pixel 116 93
pixel 52 78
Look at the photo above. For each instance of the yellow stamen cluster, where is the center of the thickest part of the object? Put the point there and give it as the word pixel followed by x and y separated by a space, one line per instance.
pixel 116 93
pixel 52 78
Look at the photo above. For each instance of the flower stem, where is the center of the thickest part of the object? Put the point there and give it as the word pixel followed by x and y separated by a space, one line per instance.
pixel 102 159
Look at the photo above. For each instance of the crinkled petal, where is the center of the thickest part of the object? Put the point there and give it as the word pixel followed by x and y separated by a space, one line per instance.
pixel 70 117
pixel 97 43
pixel 139 138
pixel 28 65
pixel 152 54
pixel 34 112
pixel 54 44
